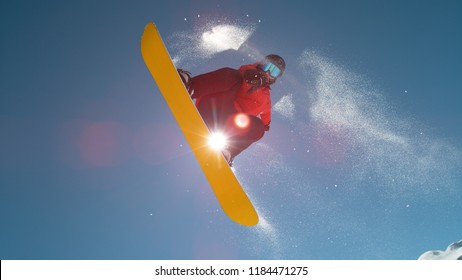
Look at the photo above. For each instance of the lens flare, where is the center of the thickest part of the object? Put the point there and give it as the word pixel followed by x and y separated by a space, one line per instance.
pixel 242 120
pixel 217 141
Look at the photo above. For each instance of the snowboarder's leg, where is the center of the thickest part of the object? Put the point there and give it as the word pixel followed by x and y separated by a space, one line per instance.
pixel 240 138
pixel 215 93
pixel 221 81
pixel 216 109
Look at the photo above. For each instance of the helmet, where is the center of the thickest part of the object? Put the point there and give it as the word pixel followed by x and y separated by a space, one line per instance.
pixel 276 60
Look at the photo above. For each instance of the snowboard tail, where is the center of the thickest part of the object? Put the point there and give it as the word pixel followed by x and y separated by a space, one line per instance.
pixel 224 183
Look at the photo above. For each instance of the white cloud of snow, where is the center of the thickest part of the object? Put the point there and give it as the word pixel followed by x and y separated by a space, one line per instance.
pixel 381 143
pixel 208 41
pixel 224 37
pixel 453 252
pixel 286 107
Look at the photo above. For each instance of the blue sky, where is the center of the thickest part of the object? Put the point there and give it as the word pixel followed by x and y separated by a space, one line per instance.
pixel 362 161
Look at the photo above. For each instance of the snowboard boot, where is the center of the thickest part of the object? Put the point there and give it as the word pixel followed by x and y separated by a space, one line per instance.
pixel 186 78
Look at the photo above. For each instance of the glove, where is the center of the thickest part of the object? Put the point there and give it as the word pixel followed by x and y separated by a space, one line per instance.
pixel 255 78
pixel 267 127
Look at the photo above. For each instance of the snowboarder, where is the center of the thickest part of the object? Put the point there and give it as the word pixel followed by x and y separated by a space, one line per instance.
pixel 236 102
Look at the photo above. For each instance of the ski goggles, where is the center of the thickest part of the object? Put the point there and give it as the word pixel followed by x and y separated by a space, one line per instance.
pixel 272 68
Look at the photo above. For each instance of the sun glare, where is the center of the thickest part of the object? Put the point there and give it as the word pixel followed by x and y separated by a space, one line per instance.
pixel 217 141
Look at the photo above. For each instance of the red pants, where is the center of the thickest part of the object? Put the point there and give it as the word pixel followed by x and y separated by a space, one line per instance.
pixel 215 93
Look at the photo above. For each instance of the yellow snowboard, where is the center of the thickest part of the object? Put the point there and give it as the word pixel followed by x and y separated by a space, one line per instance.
pixel 226 187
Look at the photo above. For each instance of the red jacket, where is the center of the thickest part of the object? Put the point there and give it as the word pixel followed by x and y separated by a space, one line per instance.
pixel 256 102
